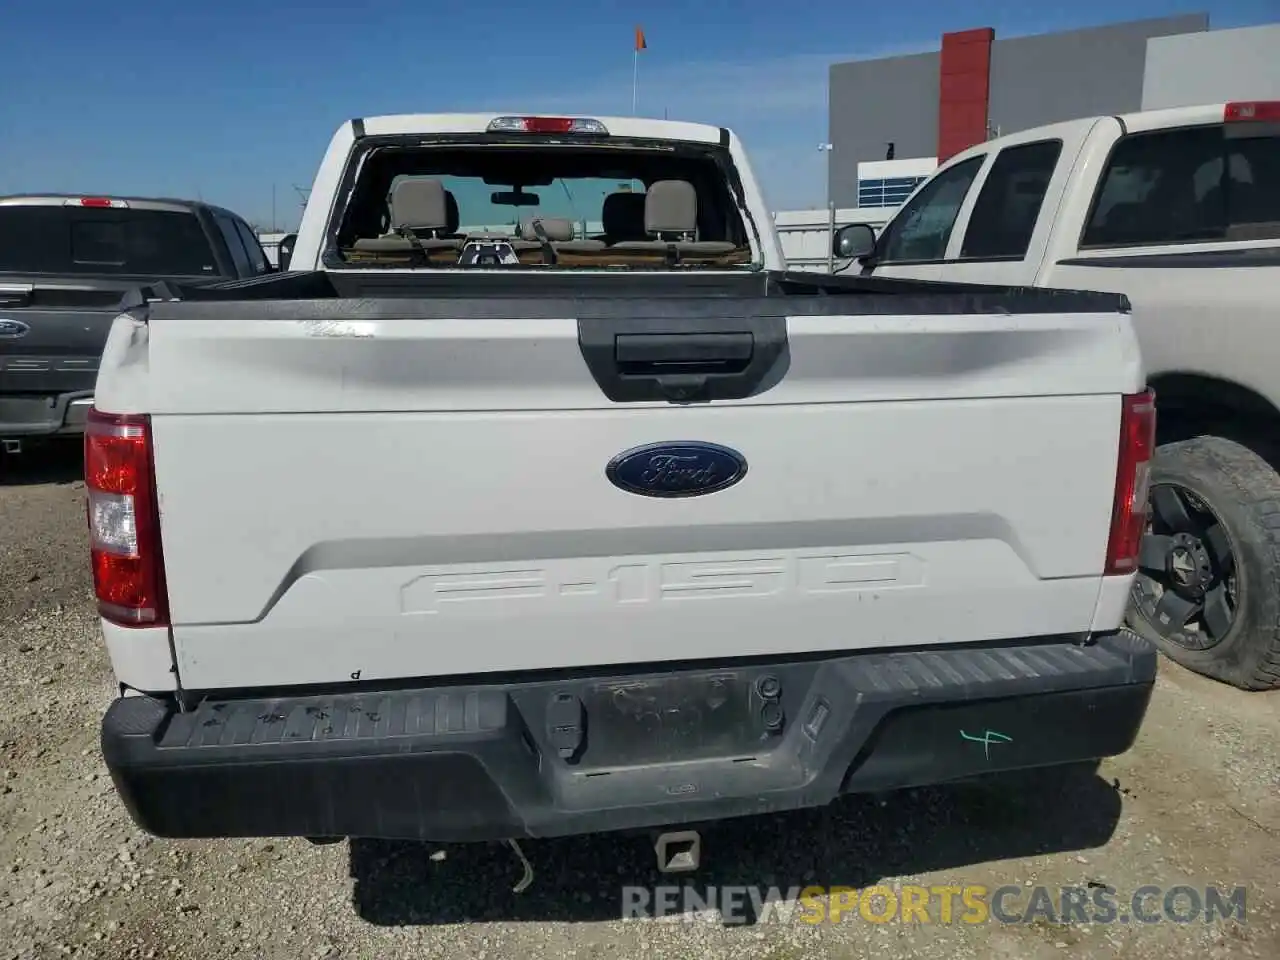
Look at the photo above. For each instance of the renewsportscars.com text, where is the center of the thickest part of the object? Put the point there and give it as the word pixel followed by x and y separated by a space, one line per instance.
pixel 940 904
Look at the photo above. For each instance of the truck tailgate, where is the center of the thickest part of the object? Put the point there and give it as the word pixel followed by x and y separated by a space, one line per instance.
pixel 53 333
pixel 366 489
pixel 52 330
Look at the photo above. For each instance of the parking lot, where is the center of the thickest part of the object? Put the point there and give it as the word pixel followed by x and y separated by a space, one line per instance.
pixel 1196 803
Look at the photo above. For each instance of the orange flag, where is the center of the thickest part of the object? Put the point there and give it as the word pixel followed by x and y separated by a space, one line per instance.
pixel 640 44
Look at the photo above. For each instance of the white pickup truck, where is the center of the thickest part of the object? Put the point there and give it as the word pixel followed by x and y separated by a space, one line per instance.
pixel 1180 211
pixel 480 523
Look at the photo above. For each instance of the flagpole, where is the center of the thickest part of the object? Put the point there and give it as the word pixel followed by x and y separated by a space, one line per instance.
pixel 635 76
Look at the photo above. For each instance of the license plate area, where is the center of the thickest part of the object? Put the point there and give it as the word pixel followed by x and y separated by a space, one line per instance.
pixel 649 720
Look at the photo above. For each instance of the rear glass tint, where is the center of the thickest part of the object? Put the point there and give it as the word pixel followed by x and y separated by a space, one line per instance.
pixel 58 239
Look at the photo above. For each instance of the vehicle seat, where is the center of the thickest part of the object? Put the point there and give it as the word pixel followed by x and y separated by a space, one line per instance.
pixel 671 219
pixel 421 207
pixel 559 231
pixel 1125 222
pixel 622 217
pixel 1255 210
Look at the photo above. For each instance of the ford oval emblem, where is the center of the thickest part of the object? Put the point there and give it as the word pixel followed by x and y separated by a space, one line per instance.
pixel 677 469
pixel 12 329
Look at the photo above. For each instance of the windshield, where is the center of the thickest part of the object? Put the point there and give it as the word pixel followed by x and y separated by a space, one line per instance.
pixel 41 238
pixel 544 205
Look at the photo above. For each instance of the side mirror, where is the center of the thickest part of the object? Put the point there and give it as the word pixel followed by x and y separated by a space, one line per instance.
pixel 284 251
pixel 854 241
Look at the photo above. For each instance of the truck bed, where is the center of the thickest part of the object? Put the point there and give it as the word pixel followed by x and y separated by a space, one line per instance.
pixel 372 477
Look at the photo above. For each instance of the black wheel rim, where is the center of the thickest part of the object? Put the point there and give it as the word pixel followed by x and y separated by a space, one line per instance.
pixel 1186 587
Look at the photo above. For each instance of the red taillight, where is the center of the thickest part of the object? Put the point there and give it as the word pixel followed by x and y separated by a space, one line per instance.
pixel 1261 111
pixel 124 522
pixel 582 125
pixel 1133 475
pixel 95 202
pixel 548 124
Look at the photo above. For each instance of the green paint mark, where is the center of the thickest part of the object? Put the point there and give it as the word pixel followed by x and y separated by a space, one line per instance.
pixel 987 738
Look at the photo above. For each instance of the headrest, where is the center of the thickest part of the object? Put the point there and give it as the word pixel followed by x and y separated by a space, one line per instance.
pixel 419 205
pixel 671 206
pixel 623 214
pixel 451 212
pixel 556 228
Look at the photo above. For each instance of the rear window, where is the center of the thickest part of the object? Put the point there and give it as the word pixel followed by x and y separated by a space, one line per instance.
pixel 58 239
pixel 635 203
pixel 1198 184
pixel 580 200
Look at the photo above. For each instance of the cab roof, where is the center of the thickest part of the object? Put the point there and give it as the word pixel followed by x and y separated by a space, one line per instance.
pixel 407 124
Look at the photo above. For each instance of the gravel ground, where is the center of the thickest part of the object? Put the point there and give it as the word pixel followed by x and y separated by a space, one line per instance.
pixel 1197 802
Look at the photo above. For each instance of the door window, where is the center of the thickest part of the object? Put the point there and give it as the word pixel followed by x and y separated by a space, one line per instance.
pixel 1005 213
pixel 923 226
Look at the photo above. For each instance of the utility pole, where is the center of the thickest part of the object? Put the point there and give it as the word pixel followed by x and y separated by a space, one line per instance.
pixel 831 211
pixel 303 193
pixel 640 44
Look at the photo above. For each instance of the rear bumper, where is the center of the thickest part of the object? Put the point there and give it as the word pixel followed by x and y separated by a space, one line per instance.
pixel 587 754
pixel 44 416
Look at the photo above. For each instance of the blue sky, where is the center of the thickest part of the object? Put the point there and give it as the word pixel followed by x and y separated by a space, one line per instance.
pixel 224 98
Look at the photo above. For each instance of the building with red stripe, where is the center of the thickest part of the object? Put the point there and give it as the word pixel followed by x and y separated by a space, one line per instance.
pixel 893 120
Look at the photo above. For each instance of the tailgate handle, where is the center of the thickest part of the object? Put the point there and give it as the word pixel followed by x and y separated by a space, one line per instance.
pixel 682 353
pixel 684 359
pixel 678 366
pixel 15 294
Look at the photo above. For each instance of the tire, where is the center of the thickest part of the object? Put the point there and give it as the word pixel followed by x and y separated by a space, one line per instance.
pixel 1243 492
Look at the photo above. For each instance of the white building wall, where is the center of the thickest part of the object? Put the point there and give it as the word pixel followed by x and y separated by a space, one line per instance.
pixel 909 167
pixel 1214 67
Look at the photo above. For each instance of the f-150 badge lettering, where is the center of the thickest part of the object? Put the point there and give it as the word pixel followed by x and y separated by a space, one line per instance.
pixel 12 329
pixel 678 469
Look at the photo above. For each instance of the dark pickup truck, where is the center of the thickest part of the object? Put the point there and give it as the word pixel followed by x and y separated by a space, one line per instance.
pixel 65 262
